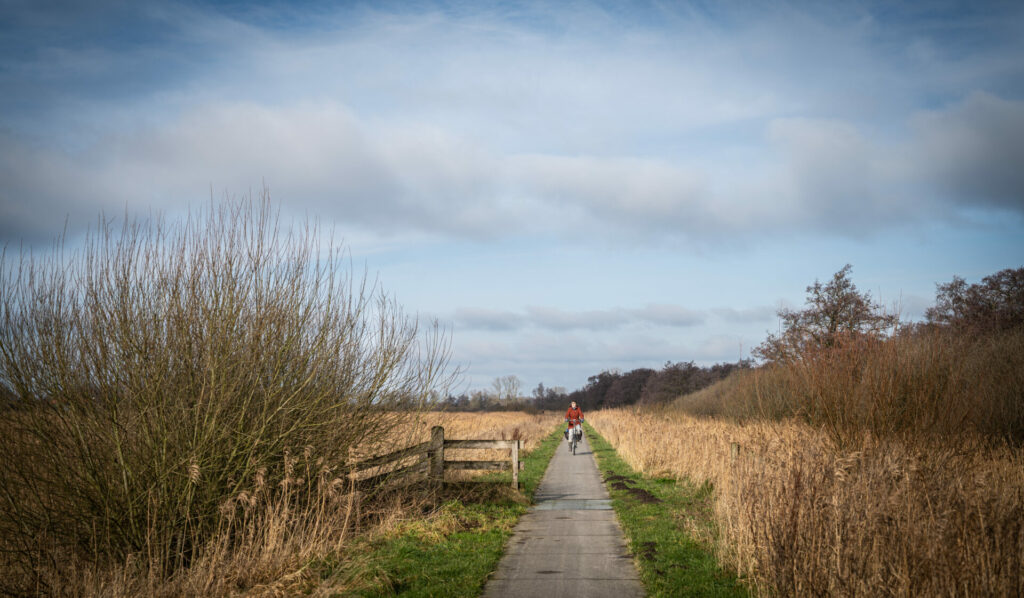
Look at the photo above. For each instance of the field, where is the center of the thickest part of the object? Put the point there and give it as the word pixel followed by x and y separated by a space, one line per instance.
pixel 309 534
pixel 800 517
pixel 515 425
pixel 865 466
pixel 180 404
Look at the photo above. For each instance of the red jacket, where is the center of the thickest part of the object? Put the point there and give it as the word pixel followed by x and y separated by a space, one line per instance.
pixel 573 415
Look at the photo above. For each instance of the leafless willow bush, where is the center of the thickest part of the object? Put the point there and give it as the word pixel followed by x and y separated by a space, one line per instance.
pixel 164 371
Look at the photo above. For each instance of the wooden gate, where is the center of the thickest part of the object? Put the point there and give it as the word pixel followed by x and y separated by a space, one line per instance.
pixel 433 460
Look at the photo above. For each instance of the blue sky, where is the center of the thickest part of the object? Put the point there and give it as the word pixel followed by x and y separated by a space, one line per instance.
pixel 570 186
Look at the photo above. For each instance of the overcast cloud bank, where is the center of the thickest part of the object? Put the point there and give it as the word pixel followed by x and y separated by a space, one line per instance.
pixel 794 136
pixel 470 123
pixel 817 175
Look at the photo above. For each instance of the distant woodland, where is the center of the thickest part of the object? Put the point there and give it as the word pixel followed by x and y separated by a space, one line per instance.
pixel 834 314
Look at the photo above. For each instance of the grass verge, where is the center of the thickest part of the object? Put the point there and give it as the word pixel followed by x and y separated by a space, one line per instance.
pixel 659 516
pixel 452 550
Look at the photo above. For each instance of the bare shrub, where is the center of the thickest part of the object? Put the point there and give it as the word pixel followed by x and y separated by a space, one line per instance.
pixel 928 384
pixel 165 369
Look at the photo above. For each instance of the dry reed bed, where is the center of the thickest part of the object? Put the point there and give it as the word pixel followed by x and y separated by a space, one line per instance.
pixel 505 425
pixel 878 519
pixel 311 514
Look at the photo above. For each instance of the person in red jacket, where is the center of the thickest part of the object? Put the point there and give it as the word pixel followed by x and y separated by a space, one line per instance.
pixel 573 416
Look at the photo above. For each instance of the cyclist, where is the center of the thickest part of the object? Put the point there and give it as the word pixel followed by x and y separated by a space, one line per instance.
pixel 573 416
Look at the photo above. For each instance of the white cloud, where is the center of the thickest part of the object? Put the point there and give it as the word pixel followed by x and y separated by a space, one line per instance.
pixel 555 319
pixel 971 151
pixel 838 176
pixel 747 315
pixel 824 175
pixel 471 122
pixel 647 193
pixel 325 159
pixel 835 178
pixel 668 315
pixel 474 318
pixel 319 154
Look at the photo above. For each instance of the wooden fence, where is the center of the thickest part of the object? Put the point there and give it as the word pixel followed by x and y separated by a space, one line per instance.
pixel 433 461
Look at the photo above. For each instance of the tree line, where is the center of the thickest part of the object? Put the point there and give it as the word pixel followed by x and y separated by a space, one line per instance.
pixel 609 388
pixel 834 313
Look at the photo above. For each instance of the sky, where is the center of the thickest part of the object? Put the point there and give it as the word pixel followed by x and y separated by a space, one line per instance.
pixel 567 187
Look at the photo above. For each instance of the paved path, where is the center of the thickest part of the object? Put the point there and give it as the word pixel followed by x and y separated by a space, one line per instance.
pixel 570 543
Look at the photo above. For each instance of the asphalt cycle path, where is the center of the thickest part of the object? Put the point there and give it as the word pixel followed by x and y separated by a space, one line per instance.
pixel 569 543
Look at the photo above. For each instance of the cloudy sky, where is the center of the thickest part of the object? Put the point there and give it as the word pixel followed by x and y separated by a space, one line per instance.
pixel 570 186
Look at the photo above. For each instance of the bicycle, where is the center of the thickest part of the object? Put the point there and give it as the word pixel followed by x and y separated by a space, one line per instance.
pixel 577 435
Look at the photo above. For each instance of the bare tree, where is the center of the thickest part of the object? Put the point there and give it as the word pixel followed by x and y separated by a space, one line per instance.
pixel 996 303
pixel 832 311
pixel 506 387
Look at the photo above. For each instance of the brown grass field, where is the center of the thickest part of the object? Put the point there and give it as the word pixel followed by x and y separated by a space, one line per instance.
pixel 801 517
pixel 503 425
pixel 415 428
pixel 311 515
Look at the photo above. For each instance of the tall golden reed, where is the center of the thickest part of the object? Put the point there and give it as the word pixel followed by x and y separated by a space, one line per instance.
pixel 878 518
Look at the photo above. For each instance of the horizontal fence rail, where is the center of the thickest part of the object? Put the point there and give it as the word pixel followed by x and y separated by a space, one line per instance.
pixel 415 468
pixel 419 449
pixel 434 462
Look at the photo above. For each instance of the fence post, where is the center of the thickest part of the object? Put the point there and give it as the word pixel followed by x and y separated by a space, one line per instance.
pixel 734 451
pixel 437 454
pixel 515 465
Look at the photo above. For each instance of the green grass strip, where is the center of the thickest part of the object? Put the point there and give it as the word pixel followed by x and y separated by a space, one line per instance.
pixel 655 514
pixel 452 552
